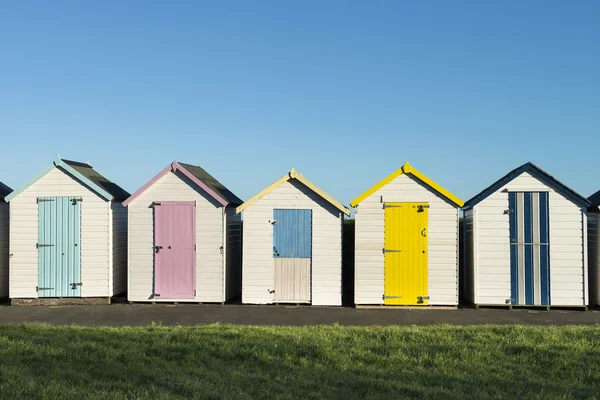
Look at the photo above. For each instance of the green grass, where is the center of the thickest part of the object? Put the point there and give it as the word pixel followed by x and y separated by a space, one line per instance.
pixel 235 362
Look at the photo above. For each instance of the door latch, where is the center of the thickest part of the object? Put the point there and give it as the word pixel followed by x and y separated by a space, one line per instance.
pixel 421 299
pixel 391 251
pixel 424 232
pixel 275 252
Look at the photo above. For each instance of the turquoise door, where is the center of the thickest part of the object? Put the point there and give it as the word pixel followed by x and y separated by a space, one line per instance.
pixel 59 247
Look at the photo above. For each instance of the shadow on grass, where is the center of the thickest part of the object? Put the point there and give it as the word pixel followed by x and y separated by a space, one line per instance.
pixel 312 362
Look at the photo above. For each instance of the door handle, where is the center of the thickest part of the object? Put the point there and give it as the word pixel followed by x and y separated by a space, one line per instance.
pixel 424 232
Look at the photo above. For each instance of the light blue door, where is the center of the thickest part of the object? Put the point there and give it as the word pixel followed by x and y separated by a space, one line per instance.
pixel 59 247
pixel 292 233
pixel 292 255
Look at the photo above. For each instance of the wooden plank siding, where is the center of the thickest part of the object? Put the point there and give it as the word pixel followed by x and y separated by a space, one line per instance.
pixel 567 227
pixel 258 266
pixel 443 242
pixel 95 238
pixel 4 216
pixel 209 239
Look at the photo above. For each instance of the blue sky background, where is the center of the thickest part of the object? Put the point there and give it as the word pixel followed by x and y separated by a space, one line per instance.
pixel 344 91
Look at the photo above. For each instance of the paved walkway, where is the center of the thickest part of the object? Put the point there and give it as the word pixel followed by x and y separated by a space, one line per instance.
pixel 141 314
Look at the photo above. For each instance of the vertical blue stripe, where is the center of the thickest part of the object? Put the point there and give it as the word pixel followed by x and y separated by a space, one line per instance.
pixel 528 223
pixel 512 216
pixel 292 234
pixel 544 249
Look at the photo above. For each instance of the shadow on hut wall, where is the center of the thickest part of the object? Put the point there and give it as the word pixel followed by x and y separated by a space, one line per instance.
pixel 348 263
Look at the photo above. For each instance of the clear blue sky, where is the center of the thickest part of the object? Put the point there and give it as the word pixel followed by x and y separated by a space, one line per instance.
pixel 343 91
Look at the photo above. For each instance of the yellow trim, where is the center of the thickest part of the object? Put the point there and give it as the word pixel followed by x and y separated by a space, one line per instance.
pixel 293 174
pixel 408 169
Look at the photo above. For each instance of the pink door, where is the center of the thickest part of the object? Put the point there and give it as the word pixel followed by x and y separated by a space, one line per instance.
pixel 174 250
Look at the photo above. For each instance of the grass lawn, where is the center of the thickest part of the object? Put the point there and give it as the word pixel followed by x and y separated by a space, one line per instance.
pixel 236 362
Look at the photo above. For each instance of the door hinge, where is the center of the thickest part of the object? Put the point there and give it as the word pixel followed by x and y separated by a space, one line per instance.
pixel 391 297
pixel 44 200
pixel 391 251
pixel 508 301
pixel 37 288
pixel 275 252
pixel 38 245
pixel 194 247
pixel 157 248
pixel 194 292
pixel 390 206
pixel 271 291
pixel 75 284
pixel 75 200
pixel 155 203
pixel 155 294
pixel 221 248
pixel 421 299
pixel 507 212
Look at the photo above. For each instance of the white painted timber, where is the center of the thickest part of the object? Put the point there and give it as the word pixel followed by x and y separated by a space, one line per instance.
pixel 442 237
pixel 210 244
pixel 96 247
pixel 258 280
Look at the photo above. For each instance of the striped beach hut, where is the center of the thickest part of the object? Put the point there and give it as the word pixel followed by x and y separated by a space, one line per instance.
pixel 68 237
pixel 594 247
pixel 4 191
pixel 292 251
pixel 526 242
pixel 406 242
pixel 184 238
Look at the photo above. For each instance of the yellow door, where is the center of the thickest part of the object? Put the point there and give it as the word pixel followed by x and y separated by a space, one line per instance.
pixel 406 253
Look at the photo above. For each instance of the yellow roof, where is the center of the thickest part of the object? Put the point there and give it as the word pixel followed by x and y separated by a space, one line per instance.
pixel 408 169
pixel 293 174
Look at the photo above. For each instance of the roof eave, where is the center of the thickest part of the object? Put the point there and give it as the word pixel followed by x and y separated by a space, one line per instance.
pixel 293 174
pixel 59 163
pixel 409 169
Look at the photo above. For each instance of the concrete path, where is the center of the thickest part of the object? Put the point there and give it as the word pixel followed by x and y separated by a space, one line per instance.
pixel 141 314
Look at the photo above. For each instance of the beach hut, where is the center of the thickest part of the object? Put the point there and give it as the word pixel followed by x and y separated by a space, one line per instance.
pixel 526 242
pixel 184 238
pixel 68 237
pixel 4 191
pixel 406 242
pixel 292 250
pixel 594 248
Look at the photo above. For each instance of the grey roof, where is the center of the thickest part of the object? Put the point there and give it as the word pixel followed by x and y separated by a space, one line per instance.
pixel 4 191
pixel 118 193
pixel 212 183
pixel 579 199
pixel 595 198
